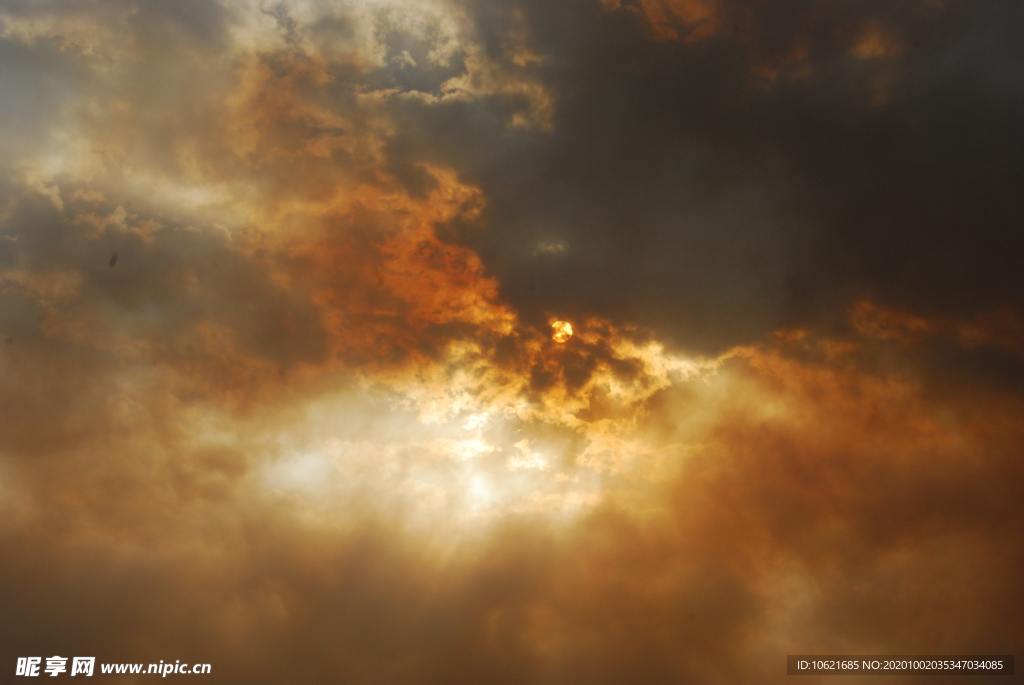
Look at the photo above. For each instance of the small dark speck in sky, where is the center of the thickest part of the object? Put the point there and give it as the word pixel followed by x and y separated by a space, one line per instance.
pixel 113 260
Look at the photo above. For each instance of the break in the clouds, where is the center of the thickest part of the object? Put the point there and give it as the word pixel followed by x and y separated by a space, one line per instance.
pixel 278 388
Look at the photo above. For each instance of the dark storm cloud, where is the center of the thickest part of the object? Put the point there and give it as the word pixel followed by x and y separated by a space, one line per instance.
pixel 767 174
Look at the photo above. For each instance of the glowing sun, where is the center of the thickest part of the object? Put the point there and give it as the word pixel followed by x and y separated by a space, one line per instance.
pixel 561 331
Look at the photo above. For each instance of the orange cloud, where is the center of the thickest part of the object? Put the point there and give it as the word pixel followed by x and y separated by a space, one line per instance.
pixel 258 411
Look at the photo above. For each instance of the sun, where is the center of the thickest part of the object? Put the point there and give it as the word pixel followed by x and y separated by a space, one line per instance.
pixel 561 331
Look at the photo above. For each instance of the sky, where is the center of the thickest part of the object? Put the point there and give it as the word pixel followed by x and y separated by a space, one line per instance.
pixel 279 390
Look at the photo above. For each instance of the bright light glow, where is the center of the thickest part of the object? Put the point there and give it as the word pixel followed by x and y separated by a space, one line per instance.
pixel 561 331
pixel 480 492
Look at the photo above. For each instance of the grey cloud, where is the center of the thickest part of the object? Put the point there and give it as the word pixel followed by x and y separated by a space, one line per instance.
pixel 701 200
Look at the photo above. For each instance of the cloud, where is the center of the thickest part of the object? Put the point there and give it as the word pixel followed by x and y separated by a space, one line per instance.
pixel 769 523
pixel 714 204
pixel 309 424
